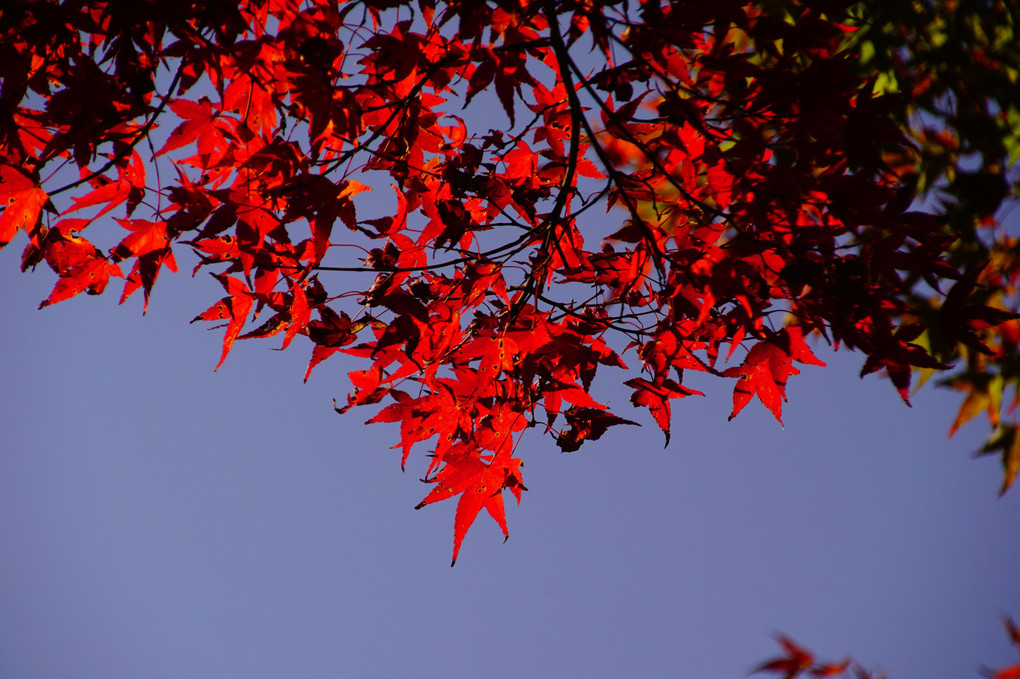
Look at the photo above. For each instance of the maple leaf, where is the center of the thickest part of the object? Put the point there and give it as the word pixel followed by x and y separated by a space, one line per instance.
pixel 235 306
pixel 1006 440
pixel 984 394
pixel 830 669
pixel 22 201
pixel 480 485
pixel 81 267
pixel 145 272
pixel 656 395
pixel 90 277
pixel 554 396
pixel 586 424
pixel 1013 631
pixel 444 413
pixel 959 320
pixel 482 74
pixel 898 354
pixel 299 315
pixel 107 191
pixel 197 117
pixel 144 238
pixel 495 355
pixel 331 332
pixel 766 368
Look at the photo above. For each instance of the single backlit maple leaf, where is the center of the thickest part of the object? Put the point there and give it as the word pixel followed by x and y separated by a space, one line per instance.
pixel 481 486
pixel 22 201
pixel 234 306
pixel 766 368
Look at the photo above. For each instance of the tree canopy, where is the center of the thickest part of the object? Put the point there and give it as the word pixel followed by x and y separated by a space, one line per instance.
pixel 493 204
pixel 496 206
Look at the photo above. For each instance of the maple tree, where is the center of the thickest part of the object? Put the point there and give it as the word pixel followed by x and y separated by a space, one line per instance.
pixel 695 187
pixel 692 187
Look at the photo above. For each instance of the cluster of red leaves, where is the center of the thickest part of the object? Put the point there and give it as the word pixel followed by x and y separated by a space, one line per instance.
pixel 797 661
pixel 741 164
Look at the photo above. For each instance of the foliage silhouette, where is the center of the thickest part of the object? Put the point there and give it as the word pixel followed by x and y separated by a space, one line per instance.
pixel 704 187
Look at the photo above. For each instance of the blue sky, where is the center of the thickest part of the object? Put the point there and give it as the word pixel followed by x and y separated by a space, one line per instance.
pixel 158 519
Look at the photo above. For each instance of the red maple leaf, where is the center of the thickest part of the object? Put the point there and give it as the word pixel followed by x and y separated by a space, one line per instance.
pixel 331 332
pixel 766 368
pixel 480 485
pixel 197 119
pixel 81 267
pixel 106 192
pixel 145 272
pixel 235 306
pixel 656 395
pixel 22 201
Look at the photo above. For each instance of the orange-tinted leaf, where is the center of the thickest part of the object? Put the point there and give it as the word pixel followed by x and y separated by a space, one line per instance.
pixel 1010 464
pixel 64 252
pixel 975 402
pixel 1006 440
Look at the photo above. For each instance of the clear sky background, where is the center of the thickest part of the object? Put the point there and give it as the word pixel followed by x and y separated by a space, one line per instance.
pixel 158 519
